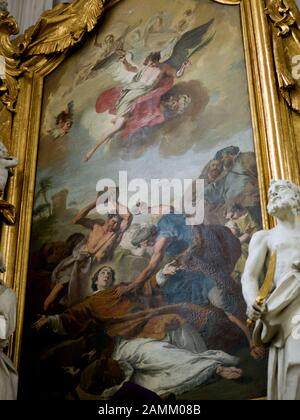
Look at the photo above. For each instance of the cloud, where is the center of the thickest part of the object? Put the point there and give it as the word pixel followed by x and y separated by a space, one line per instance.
pixel 216 82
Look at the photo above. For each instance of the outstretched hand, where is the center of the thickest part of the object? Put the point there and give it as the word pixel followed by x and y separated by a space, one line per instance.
pixel 124 290
pixel 170 269
pixel 40 323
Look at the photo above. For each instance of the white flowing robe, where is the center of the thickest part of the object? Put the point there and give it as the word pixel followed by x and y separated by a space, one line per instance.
pixel 278 328
pixel 176 365
pixel 142 83
pixel 8 374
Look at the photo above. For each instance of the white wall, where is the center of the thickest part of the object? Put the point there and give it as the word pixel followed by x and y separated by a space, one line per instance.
pixel 28 11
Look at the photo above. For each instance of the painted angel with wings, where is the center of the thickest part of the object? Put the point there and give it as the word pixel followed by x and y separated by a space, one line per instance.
pixel 147 101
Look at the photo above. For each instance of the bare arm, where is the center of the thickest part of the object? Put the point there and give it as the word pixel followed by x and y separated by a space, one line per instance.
pixel 152 267
pixel 129 66
pixel 80 218
pixel 234 231
pixel 258 249
pixel 126 217
pixel 244 238
pixel 123 212
pixel 156 259
pixel 249 231
pixel 53 322
pixel 51 298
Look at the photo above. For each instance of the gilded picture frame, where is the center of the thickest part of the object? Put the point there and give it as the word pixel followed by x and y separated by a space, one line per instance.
pixel 40 51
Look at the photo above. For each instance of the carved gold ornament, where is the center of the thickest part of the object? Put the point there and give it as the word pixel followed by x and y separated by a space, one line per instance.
pixel 285 20
pixel 62 27
pixel 10 54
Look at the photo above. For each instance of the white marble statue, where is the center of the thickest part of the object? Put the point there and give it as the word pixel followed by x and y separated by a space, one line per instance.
pixel 6 162
pixel 8 374
pixel 277 321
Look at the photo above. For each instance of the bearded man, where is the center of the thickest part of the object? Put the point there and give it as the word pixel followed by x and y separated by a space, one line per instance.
pixel 278 318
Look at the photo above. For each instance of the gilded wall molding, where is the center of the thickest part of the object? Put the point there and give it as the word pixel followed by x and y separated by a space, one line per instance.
pixel 284 17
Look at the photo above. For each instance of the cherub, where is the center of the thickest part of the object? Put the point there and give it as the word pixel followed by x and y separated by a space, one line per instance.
pixel 63 122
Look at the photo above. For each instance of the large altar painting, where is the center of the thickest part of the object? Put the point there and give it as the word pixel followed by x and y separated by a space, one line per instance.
pixel 130 300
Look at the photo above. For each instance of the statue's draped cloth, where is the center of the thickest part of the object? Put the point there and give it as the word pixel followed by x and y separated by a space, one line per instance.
pixel 279 327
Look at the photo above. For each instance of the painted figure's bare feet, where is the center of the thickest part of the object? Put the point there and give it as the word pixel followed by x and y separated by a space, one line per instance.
pixel 229 372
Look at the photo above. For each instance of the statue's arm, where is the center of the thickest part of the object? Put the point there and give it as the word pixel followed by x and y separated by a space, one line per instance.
pixel 12 162
pixel 7 163
pixel 258 249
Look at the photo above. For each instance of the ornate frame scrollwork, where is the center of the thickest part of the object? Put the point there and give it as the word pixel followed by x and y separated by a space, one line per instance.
pixel 285 28
pixel 44 46
pixel 9 85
